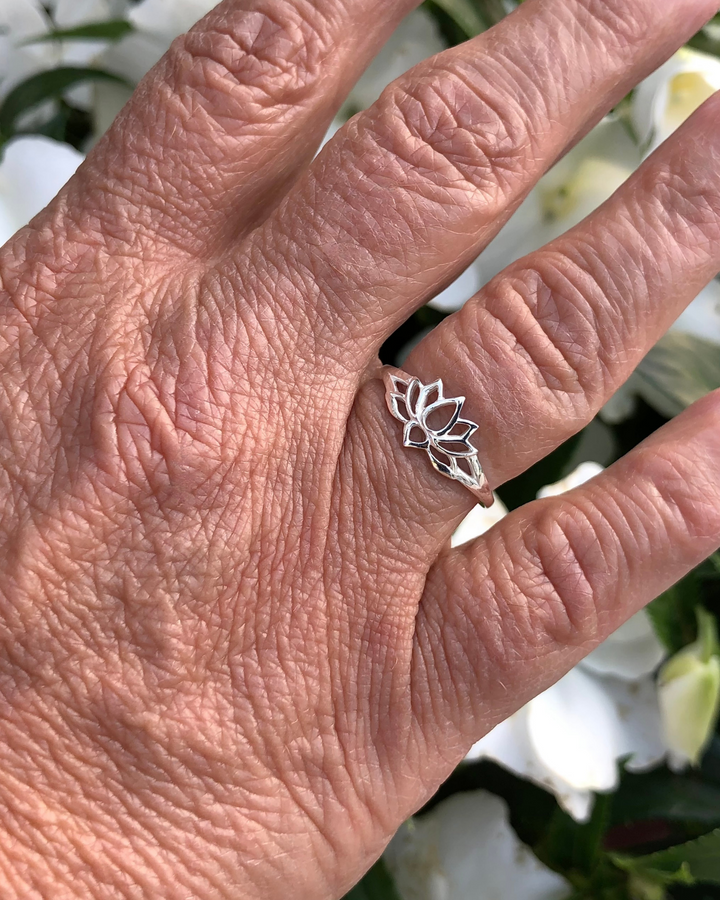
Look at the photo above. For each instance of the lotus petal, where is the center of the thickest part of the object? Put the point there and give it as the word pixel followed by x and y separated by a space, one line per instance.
pixel 399 384
pixel 408 440
pixel 398 407
pixel 412 395
pixel 442 462
pixel 427 391
pixel 450 407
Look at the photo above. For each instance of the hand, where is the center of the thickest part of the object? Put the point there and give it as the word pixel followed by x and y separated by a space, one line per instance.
pixel 236 649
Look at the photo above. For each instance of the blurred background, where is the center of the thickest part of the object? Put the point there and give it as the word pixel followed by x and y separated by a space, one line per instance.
pixel 607 786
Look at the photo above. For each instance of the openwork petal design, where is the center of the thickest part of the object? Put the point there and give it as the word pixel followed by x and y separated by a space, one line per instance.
pixel 425 400
pixel 412 396
pixel 432 423
pixel 398 407
pixel 415 436
pixel 444 415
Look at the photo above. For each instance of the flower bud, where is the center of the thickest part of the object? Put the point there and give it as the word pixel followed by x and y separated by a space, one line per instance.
pixel 689 693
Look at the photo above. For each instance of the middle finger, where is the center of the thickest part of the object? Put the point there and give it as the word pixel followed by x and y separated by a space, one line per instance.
pixel 412 190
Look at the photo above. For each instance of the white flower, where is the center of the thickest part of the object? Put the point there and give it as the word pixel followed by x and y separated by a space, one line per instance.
pixel 584 472
pixel 690 695
pixel 415 39
pixel 670 95
pixel 629 654
pixel 465 849
pixel 478 521
pixel 32 171
pixel 569 738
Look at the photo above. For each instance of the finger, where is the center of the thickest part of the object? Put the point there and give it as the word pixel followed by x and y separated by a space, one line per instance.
pixel 411 190
pixel 540 350
pixel 506 616
pixel 229 116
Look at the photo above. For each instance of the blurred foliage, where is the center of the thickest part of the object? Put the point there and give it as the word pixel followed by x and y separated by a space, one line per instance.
pixel 41 104
pixel 679 370
pixel 376 885
pixel 708 40
pixel 48 89
pixel 111 30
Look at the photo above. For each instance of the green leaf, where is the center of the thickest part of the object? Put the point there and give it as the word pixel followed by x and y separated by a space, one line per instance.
pixel 678 371
pixel 111 30
pixel 665 795
pixel 708 40
pixel 698 860
pixel 465 14
pixel 572 847
pixel 673 614
pixel 495 10
pixel 376 885
pixel 48 85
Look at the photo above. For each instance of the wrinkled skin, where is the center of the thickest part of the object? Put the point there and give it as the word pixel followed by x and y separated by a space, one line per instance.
pixel 236 649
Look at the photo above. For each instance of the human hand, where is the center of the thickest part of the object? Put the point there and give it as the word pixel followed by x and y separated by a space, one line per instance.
pixel 237 651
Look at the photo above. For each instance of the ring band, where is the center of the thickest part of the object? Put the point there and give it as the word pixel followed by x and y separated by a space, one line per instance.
pixel 432 423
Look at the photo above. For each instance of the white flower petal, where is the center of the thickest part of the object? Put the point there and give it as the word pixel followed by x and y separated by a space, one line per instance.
pixel 583 473
pixel 460 291
pixel 32 171
pixel 632 652
pixel 509 745
pixel 158 23
pixel 515 240
pixel 478 521
pixel 670 95
pixel 465 849
pixel 639 731
pixel 134 55
pixel 573 729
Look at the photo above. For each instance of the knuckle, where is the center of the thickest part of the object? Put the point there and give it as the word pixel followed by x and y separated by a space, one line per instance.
pixel 261 64
pixel 555 321
pixel 454 128
pixel 688 203
pixel 673 496
pixel 563 570
pixel 623 25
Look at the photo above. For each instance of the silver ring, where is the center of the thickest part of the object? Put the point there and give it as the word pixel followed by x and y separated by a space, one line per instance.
pixel 445 439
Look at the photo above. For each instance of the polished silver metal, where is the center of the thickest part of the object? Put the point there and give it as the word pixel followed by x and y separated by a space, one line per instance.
pixel 446 439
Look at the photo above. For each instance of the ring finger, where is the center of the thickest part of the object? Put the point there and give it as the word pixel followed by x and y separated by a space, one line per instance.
pixel 542 347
